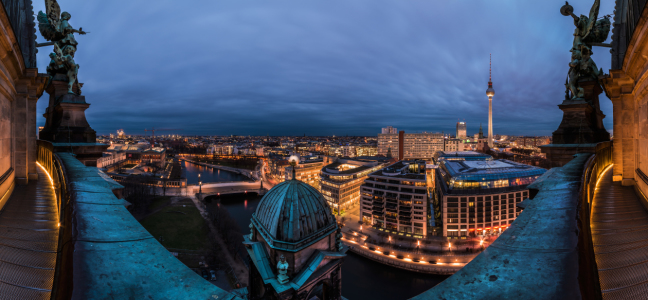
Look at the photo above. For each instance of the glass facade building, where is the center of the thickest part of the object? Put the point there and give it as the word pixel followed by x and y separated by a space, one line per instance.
pixel 480 197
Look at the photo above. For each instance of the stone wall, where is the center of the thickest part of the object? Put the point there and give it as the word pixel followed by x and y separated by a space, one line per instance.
pixel 21 17
pixel 627 87
pixel 20 88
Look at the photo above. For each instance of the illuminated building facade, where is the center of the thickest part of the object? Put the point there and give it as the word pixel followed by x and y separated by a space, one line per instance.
pixel 479 197
pixel 454 145
pixel 388 144
pixel 413 145
pixel 366 150
pixel 306 171
pixel 395 199
pixel 461 130
pixel 341 180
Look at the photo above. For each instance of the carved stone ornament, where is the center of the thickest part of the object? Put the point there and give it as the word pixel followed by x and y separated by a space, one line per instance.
pixel 282 270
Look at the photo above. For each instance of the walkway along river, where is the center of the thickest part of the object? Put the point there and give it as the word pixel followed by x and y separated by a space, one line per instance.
pixel 362 278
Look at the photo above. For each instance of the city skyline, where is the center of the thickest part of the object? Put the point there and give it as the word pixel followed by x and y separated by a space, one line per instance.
pixel 335 69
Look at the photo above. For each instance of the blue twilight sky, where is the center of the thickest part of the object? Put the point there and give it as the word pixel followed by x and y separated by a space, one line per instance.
pixel 323 67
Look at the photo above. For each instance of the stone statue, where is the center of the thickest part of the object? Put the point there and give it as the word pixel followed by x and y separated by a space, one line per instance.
pixel 588 30
pixel 63 60
pixel 338 240
pixel 282 270
pixel 54 26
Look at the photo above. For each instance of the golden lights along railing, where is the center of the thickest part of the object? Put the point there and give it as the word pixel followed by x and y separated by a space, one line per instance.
pixel 597 165
pixel 52 165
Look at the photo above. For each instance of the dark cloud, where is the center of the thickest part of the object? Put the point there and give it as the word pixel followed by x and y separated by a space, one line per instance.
pixel 323 67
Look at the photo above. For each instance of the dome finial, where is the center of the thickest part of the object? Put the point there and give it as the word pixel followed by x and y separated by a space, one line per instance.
pixel 293 162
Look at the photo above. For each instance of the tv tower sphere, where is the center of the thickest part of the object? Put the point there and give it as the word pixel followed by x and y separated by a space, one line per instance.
pixel 490 92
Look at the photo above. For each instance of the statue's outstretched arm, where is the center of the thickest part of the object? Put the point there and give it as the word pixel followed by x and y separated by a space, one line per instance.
pixel 576 18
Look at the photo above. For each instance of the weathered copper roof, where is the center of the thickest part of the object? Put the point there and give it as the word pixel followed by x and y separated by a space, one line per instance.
pixel 293 211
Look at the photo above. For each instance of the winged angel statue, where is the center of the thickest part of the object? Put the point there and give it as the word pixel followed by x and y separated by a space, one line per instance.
pixel 588 30
pixel 54 26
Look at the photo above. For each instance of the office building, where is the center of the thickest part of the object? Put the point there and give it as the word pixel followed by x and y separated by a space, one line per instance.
pixel 410 145
pixel 388 144
pixel 454 145
pixel 461 130
pixel 306 171
pixel 395 199
pixel 479 197
pixel 389 130
pixel 341 180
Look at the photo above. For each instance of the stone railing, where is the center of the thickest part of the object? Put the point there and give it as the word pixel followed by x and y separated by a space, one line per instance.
pixel 540 256
pixel 103 251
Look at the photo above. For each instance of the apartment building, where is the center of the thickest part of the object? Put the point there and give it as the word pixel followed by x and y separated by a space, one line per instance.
pixel 395 199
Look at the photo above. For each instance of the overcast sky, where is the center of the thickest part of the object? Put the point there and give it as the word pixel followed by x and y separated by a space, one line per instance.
pixel 221 67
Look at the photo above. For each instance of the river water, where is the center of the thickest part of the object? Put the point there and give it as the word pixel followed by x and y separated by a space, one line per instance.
pixel 362 278
pixel 191 171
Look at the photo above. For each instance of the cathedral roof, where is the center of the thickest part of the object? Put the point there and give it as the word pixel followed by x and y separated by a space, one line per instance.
pixel 293 215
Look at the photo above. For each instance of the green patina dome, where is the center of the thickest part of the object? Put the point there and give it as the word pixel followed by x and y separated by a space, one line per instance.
pixel 293 212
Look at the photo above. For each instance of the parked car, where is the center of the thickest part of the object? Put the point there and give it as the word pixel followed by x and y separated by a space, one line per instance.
pixel 213 274
pixel 205 274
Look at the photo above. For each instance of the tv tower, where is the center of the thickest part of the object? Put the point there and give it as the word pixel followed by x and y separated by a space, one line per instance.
pixel 490 92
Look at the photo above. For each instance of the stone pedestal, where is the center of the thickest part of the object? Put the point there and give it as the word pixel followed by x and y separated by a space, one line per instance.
pixel 65 117
pixel 66 125
pixel 581 127
pixel 582 121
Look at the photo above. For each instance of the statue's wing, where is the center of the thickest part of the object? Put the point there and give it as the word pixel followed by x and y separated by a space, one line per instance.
pixel 48 23
pixel 53 12
pixel 47 30
pixel 592 18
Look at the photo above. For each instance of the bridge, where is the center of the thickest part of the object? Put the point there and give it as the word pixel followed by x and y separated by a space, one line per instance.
pixel 225 188
pixel 248 173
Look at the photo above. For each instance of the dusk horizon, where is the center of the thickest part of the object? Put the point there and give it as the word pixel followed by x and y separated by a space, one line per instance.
pixel 323 69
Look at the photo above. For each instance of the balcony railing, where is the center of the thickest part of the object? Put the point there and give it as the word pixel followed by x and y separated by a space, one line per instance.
pixel 97 231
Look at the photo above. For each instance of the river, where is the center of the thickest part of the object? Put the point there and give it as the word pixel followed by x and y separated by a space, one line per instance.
pixel 191 171
pixel 362 278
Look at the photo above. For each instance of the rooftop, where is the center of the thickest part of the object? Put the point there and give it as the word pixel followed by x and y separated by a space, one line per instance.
pixel 489 170
pixel 409 169
pixel 461 155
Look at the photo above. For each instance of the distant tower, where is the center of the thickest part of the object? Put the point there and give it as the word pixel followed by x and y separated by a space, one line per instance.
pixel 490 92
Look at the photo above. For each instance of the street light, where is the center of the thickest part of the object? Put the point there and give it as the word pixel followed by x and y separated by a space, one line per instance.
pixel 199 186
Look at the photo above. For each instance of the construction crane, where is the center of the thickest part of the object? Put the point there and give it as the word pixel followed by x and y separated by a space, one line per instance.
pixel 153 130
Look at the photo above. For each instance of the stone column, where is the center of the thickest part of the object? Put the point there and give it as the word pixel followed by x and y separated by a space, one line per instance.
pixel 619 88
pixel 628 139
pixel 20 138
pixel 617 150
pixel 32 147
